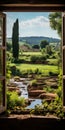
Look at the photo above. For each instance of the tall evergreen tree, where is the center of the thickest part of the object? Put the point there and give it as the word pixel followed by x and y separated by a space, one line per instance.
pixel 15 39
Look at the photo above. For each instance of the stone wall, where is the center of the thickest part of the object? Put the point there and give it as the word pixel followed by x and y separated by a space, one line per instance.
pixel 24 122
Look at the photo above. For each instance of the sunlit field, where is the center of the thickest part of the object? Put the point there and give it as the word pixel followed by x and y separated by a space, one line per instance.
pixel 42 68
pixel 32 53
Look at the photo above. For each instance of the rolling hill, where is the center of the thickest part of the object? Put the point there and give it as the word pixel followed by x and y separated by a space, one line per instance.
pixel 36 39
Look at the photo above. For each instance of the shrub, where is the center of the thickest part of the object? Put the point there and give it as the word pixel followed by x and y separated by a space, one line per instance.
pixel 38 59
pixel 18 61
pixel 35 46
pixel 33 82
pixel 34 59
pixel 53 108
pixel 53 73
pixel 13 100
pixel 15 71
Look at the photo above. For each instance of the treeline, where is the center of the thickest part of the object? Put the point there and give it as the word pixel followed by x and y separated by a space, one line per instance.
pixel 37 40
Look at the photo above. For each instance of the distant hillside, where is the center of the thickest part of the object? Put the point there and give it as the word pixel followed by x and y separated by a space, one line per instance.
pixel 37 40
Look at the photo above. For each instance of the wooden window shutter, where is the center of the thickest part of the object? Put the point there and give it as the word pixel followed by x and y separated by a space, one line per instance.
pixel 2 62
pixel 63 57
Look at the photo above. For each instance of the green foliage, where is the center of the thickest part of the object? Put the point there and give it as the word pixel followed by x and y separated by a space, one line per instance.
pixel 18 61
pixel 15 71
pixel 52 61
pixel 56 22
pixel 53 73
pixel 33 70
pixel 37 71
pixel 34 59
pixel 59 90
pixel 38 59
pixel 9 56
pixel 44 43
pixel 36 46
pixel 49 50
pixel 8 71
pixel 13 100
pixel 59 58
pixel 43 51
pixel 33 82
pixel 32 53
pixel 43 58
pixel 27 45
pixel 9 46
pixel 53 108
pixel 49 89
pixel 44 69
pixel 15 40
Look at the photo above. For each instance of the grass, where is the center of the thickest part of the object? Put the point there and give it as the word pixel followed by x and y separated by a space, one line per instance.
pixel 22 42
pixel 26 55
pixel 42 68
pixel 32 53
pixel 52 61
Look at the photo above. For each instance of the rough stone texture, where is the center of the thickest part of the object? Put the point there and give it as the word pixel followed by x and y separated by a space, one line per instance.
pixel 35 93
pixel 48 95
pixel 14 89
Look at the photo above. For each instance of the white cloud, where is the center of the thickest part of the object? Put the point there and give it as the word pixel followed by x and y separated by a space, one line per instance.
pixel 37 21
pixel 9 26
pixel 38 26
pixel 34 27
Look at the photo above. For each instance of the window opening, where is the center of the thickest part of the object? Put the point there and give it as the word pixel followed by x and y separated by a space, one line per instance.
pixel 29 80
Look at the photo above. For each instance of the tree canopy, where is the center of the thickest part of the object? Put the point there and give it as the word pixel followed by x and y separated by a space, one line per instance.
pixel 56 22
pixel 43 44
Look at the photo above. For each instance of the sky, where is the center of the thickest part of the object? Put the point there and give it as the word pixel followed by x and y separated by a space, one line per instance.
pixel 30 24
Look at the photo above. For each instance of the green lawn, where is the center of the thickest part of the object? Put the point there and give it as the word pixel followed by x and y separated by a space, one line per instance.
pixel 32 53
pixel 53 61
pixel 42 68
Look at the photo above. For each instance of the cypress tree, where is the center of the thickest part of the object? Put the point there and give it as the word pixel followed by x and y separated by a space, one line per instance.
pixel 15 40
